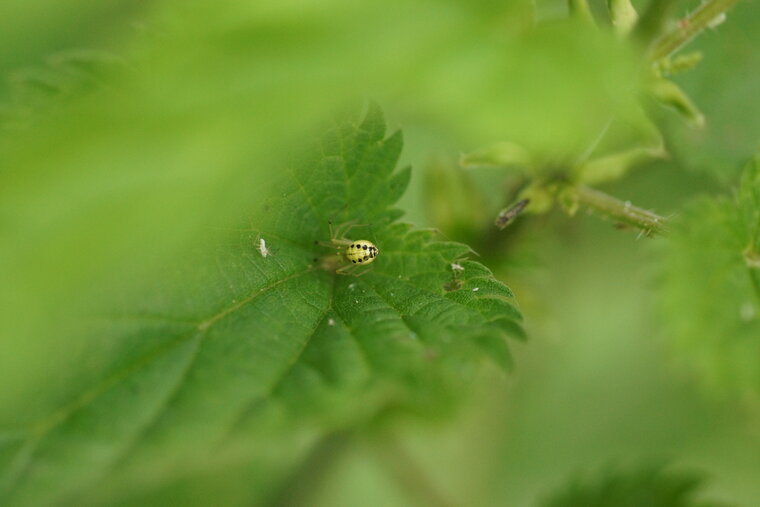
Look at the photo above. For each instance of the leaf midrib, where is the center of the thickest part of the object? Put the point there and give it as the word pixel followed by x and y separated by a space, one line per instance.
pixel 44 427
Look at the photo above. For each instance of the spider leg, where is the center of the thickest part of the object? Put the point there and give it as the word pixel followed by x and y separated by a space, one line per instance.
pixel 351 225
pixel 360 273
pixel 343 270
pixel 352 270
pixel 340 230
pixel 328 244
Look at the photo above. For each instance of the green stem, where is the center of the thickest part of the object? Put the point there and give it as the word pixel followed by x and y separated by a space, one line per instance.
pixel 754 277
pixel 304 482
pixel 580 9
pixel 622 212
pixel 410 477
pixel 623 15
pixel 652 21
pixel 689 27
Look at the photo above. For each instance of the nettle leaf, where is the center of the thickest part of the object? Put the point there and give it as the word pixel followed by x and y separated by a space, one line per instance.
pixel 711 289
pixel 652 486
pixel 241 349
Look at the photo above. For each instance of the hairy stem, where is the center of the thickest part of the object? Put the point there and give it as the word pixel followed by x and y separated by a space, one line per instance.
pixel 622 212
pixel 689 27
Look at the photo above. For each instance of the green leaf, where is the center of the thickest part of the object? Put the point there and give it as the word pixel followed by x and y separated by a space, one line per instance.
pixel 652 486
pixel 503 154
pixel 580 10
pixel 623 15
pixel 677 64
pixel 233 354
pixel 711 291
pixel 615 166
pixel 670 94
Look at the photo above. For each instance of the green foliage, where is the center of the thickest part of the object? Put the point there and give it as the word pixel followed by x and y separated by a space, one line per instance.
pixel 650 486
pixel 109 181
pixel 711 290
pixel 732 119
pixel 34 89
pixel 135 136
pixel 623 141
pixel 229 337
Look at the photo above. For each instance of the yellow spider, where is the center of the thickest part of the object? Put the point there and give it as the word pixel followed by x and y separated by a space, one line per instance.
pixel 356 253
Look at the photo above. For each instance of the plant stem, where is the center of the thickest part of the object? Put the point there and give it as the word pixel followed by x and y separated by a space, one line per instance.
pixel 754 277
pixel 412 479
pixel 300 486
pixel 580 9
pixel 652 21
pixel 623 15
pixel 622 212
pixel 689 27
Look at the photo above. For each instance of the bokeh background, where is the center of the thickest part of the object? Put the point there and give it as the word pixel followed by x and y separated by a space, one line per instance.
pixel 129 130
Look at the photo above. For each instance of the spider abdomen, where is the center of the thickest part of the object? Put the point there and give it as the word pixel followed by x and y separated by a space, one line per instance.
pixel 361 252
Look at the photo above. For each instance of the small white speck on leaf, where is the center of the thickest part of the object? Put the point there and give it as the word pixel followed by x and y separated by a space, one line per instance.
pixel 456 267
pixel 476 289
pixel 262 248
pixel 356 301
pixel 717 20
pixel 351 286
pixel 330 322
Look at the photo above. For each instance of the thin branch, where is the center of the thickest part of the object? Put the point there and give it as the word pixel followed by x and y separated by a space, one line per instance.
pixel 410 477
pixel 689 27
pixel 300 487
pixel 623 15
pixel 622 212
pixel 652 21
pixel 752 259
pixel 754 278
pixel 580 10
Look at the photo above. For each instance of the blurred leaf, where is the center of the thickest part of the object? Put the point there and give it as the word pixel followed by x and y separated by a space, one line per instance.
pixel 650 486
pixel 540 197
pixel 679 63
pixel 228 337
pixel 732 110
pixel 503 154
pixel 623 15
pixel 34 89
pixel 711 291
pixel 653 20
pixel 580 9
pixel 110 182
pixel 748 199
pixel 454 202
pixel 670 94
pixel 615 166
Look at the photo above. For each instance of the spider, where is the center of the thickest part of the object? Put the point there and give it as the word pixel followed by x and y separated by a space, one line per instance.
pixel 355 253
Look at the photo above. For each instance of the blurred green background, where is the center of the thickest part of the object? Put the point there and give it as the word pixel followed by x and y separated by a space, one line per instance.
pixel 130 131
